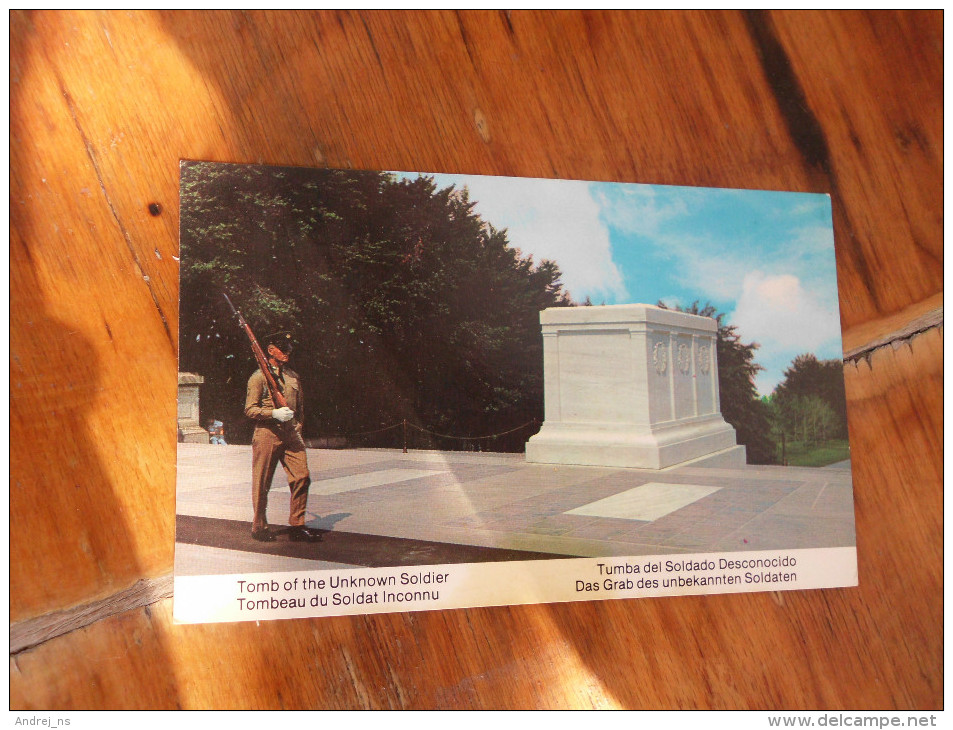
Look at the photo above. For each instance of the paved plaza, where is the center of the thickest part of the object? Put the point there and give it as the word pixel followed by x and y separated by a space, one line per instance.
pixel 384 507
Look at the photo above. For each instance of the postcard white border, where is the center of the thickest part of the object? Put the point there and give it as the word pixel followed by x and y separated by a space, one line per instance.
pixel 259 596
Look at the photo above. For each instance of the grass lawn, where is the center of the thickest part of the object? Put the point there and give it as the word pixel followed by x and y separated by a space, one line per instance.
pixel 800 453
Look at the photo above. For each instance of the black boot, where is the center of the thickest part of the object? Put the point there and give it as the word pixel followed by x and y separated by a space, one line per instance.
pixel 300 533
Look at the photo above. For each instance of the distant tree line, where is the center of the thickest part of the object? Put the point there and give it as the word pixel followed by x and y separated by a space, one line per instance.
pixel 405 303
pixel 809 405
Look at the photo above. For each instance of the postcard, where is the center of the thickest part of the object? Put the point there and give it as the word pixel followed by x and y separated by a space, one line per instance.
pixel 421 391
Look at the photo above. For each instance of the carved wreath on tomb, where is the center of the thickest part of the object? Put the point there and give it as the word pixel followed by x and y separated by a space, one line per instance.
pixel 660 357
pixel 684 359
pixel 704 359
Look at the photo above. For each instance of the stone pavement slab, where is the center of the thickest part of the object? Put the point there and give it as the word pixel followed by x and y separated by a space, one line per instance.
pixel 647 502
pixel 498 501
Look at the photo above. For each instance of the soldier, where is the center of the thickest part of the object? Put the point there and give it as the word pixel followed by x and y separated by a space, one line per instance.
pixel 277 438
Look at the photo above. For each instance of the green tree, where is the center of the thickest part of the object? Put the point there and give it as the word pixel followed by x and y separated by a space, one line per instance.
pixel 407 304
pixel 811 380
pixel 740 405
pixel 807 418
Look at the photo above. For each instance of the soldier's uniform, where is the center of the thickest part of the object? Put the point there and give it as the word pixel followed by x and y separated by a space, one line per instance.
pixel 273 442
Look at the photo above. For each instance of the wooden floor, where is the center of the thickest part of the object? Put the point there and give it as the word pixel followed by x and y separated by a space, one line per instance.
pixel 105 104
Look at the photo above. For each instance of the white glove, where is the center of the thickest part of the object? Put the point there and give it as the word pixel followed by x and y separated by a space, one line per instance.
pixel 283 414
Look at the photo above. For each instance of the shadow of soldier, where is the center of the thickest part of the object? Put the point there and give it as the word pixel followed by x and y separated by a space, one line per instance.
pixel 327 522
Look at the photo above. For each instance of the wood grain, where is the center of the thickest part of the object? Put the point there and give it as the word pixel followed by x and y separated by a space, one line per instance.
pixel 103 106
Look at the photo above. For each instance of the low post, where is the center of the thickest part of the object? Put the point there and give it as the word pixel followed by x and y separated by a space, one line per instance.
pixel 190 428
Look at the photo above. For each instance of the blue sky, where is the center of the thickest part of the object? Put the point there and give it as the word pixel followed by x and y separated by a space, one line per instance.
pixel 765 259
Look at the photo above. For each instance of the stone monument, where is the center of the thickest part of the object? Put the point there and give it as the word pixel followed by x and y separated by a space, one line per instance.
pixel 190 430
pixel 631 385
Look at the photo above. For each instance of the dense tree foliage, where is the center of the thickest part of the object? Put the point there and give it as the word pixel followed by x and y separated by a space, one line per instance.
pixel 740 405
pixel 404 302
pixel 811 400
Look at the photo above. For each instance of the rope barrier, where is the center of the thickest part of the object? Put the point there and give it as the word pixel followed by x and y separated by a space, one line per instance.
pixel 363 433
pixel 406 423
pixel 470 438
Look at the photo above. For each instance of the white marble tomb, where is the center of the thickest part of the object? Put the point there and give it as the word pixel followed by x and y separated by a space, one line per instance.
pixel 631 385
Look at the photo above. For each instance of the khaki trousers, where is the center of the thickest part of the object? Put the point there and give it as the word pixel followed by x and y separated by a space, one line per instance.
pixel 268 447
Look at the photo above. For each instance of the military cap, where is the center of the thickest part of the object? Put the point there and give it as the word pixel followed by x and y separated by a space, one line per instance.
pixel 283 340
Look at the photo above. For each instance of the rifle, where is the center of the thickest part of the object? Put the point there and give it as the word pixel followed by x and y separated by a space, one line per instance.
pixel 276 395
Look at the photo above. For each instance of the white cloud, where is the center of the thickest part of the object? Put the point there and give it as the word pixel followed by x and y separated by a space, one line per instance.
pixel 637 209
pixel 551 219
pixel 786 319
pixel 714 268
pixel 712 272
pixel 779 310
pixel 769 266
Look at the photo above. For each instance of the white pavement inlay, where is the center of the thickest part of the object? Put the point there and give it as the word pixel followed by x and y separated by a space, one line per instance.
pixel 647 502
pixel 371 479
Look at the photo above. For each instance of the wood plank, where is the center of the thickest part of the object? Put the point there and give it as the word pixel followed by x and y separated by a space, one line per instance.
pixel 881 113
pixel 878 332
pixel 33 632
pixel 804 644
pixel 104 104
